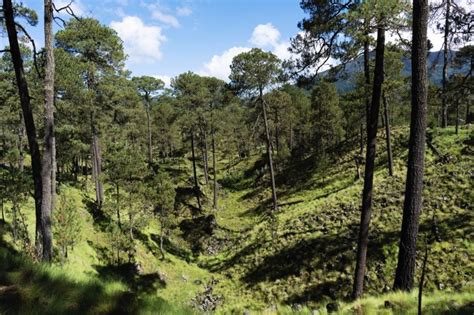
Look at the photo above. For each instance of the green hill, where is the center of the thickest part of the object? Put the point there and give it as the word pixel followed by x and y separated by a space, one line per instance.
pixel 241 258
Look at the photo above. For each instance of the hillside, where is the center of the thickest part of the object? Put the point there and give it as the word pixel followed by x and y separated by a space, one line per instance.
pixel 242 259
pixel 344 83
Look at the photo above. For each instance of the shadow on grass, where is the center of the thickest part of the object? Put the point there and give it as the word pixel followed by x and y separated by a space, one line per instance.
pixel 127 273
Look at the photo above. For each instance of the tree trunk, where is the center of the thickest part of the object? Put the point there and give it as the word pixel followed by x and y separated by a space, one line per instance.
pixel 21 134
pixel 95 148
pixel 162 227
pixel 205 156
pixel 27 115
pixel 468 111
pixel 196 184
pixel 117 198
pixel 214 204
pixel 369 166
pixel 3 210
pixel 387 135
pixel 457 116
pixel 148 124
pixel 277 132
pixel 269 151
pixel 416 154
pixel 422 280
pixel 15 221
pixel 444 104
pixel 47 162
pixel 97 168
pixel 367 73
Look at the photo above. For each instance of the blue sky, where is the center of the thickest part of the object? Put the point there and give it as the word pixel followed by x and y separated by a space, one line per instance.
pixel 167 37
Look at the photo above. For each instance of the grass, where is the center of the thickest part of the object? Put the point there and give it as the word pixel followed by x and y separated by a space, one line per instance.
pixel 295 262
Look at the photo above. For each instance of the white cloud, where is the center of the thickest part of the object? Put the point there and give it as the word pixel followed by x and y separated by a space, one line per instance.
pixel 219 65
pixel 158 13
pixel 184 11
pixel 167 19
pixel 281 50
pixel 165 78
pixel 265 35
pixel 142 42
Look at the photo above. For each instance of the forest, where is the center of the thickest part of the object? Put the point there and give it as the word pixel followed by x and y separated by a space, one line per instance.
pixel 336 181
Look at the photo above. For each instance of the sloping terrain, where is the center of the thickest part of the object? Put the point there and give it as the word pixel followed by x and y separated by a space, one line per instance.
pixel 243 258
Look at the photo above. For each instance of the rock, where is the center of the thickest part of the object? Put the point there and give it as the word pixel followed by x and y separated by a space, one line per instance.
pixel 297 307
pixel 332 307
pixel 185 279
pixel 138 268
pixel 315 312
pixel 246 312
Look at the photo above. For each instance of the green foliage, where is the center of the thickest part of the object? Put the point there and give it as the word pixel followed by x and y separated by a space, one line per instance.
pixel 165 192
pixel 148 86
pixel 327 116
pixel 67 224
pixel 254 70
pixel 92 42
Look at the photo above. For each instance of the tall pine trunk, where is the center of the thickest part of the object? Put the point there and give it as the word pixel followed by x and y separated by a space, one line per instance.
pixel 97 168
pixel 196 184
pixel 416 155
pixel 369 166
pixel 214 171
pixel 21 134
pixel 387 135
pixel 96 157
pixel 47 161
pixel 367 73
pixel 269 151
pixel 205 158
pixel 457 116
pixel 148 124
pixel 27 116
pixel 444 100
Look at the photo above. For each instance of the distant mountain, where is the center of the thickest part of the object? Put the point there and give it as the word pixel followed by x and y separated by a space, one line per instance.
pixel 345 80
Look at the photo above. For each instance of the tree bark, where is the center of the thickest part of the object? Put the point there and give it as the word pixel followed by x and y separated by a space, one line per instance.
pixel 444 104
pixel 369 166
pixel 196 184
pixel 277 132
pixel 214 204
pixel 148 123
pixel 47 161
pixel 95 148
pixel 3 210
pixel 457 116
pixel 117 198
pixel 21 134
pixel 162 227
pixel 416 155
pixel 367 73
pixel 269 151
pixel 422 280
pixel 205 156
pixel 97 168
pixel 387 135
pixel 27 115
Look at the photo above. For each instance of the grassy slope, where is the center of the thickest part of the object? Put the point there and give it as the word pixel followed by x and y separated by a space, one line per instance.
pixel 304 257
pixel 308 258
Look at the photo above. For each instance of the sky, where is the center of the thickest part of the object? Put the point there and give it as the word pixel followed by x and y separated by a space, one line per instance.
pixel 164 38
